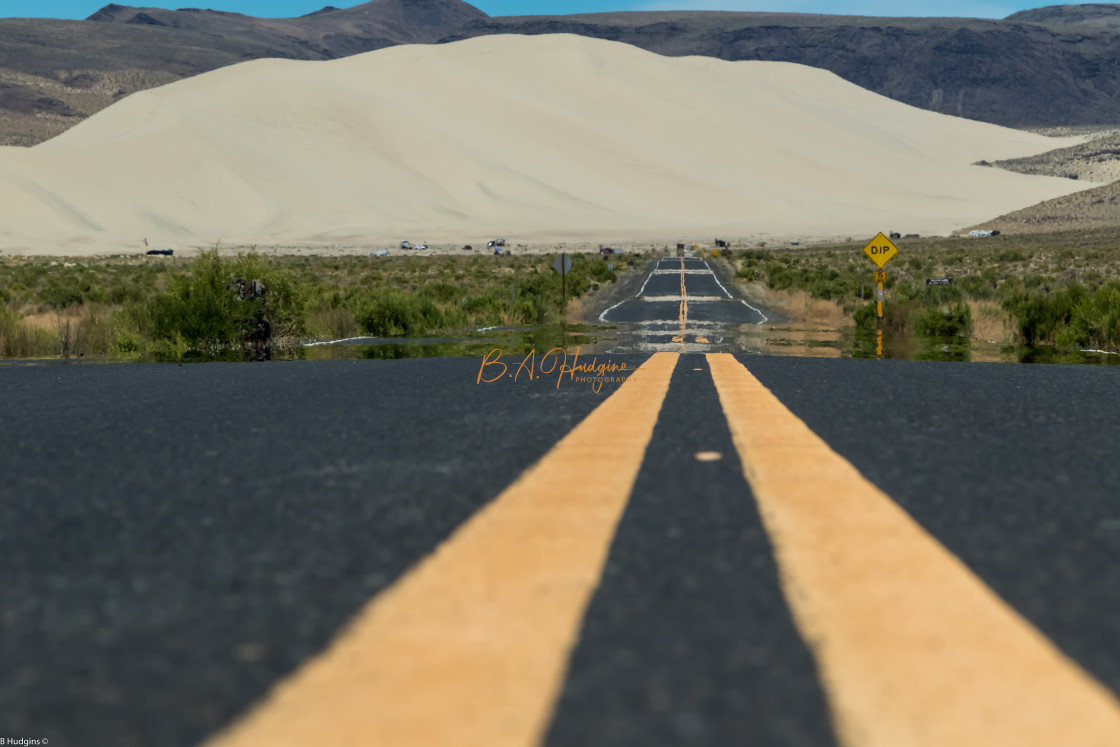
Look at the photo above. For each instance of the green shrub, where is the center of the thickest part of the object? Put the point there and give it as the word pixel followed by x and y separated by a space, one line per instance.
pixel 1040 317
pixel 391 313
pixel 926 310
pixel 442 292
pixel 62 291
pixel 201 308
pixel 601 273
pixel 977 286
pixel 1095 321
pixel 945 320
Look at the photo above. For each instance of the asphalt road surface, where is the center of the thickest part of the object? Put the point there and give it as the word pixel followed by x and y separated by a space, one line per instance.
pixel 683 306
pixel 364 552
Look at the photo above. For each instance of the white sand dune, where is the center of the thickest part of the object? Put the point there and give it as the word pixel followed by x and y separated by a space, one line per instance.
pixel 538 139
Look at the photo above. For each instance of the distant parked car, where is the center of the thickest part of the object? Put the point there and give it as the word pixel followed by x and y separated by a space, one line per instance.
pixel 419 246
pixel 405 245
pixel 497 242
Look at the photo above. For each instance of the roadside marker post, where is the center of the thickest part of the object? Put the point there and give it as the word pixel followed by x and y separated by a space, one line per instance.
pixel 880 251
pixel 562 266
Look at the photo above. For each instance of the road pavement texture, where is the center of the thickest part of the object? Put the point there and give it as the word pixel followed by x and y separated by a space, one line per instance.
pixel 682 307
pixel 752 550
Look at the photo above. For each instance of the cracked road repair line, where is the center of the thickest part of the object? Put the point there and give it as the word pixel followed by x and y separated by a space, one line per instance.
pixel 471 647
pixel 913 648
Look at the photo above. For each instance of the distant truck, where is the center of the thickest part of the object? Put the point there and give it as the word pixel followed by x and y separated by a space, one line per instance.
pixel 983 234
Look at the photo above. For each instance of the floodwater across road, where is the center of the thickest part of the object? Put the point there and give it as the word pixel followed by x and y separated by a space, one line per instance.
pixel 683 306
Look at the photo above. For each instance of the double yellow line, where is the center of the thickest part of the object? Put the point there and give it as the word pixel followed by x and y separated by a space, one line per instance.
pixel 682 315
pixel 471 646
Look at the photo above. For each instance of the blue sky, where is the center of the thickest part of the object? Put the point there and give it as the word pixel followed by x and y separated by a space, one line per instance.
pixel 286 8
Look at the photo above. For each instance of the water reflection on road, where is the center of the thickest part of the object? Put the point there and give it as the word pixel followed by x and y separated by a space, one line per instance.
pixel 682 305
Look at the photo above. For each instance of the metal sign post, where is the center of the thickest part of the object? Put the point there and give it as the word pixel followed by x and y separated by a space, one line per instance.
pixel 880 278
pixel 562 265
pixel 880 251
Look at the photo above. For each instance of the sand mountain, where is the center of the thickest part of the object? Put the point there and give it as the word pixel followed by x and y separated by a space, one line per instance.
pixel 541 138
pixel 1048 67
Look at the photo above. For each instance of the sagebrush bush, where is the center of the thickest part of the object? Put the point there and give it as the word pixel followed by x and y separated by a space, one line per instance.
pixel 1095 321
pixel 944 320
pixel 1040 317
pixel 390 313
pixel 201 308
pixel 18 339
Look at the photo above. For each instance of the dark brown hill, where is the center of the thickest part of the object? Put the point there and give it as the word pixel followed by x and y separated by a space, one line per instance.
pixel 1101 15
pixel 325 34
pixel 1093 209
pixel 1010 73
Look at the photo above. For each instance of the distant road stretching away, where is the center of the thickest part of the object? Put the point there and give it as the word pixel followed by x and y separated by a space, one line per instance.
pixel 682 306
pixel 721 550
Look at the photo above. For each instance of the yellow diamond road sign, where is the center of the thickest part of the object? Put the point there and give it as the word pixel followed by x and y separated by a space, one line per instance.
pixel 880 250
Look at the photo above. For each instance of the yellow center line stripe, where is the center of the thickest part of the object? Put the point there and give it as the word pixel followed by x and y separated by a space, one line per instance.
pixel 471 647
pixel 684 309
pixel 913 648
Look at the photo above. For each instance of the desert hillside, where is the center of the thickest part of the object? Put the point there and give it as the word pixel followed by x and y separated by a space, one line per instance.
pixel 540 139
